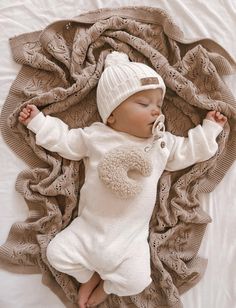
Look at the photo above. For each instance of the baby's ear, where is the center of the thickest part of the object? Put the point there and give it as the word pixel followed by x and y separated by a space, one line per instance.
pixel 111 119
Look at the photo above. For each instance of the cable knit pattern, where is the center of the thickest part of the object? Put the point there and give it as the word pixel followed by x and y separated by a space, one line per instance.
pixel 61 66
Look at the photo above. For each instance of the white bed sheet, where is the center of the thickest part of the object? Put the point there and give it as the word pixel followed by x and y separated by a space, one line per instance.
pixel 214 19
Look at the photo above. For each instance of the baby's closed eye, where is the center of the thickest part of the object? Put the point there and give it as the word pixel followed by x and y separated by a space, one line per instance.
pixel 144 104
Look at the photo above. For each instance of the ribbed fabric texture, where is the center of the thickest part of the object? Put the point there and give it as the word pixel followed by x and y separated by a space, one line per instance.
pixel 61 68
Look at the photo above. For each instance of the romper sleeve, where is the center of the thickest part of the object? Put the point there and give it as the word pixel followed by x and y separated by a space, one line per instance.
pixel 200 145
pixel 55 136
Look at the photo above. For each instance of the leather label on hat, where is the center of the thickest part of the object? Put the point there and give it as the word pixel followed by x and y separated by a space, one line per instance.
pixel 149 80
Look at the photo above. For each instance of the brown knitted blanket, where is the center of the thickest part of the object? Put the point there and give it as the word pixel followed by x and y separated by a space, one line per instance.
pixel 61 66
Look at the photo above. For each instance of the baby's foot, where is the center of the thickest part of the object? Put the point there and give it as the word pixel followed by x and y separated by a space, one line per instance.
pixel 98 296
pixel 86 289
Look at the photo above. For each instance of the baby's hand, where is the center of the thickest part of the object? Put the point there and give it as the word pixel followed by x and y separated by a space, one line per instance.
pixel 217 117
pixel 27 114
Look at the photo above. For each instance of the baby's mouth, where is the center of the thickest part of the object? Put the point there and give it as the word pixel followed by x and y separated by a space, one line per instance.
pixel 152 122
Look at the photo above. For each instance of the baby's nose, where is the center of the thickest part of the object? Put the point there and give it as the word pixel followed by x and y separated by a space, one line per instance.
pixel 155 111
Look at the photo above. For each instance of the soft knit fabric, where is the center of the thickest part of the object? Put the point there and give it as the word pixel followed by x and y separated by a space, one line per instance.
pixel 61 68
pixel 109 230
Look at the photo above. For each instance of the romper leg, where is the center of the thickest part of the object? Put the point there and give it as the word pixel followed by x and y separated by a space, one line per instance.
pixel 132 276
pixel 65 261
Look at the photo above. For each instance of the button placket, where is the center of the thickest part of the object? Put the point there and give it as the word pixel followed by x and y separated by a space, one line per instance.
pixel 162 144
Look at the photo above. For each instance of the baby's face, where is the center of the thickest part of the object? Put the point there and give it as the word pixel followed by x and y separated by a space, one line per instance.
pixel 137 113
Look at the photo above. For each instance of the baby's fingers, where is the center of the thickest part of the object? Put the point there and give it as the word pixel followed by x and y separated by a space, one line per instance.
pixel 211 115
pixel 224 119
pixel 219 115
pixel 22 117
pixel 24 113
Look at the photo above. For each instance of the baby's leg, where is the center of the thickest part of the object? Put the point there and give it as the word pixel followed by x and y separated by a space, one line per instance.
pixel 86 290
pixel 98 296
pixel 66 259
pixel 132 276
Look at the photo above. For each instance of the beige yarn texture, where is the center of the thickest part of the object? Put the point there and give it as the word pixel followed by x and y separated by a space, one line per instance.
pixel 114 169
pixel 61 66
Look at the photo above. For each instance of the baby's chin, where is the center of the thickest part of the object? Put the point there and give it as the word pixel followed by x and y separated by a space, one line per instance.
pixel 144 134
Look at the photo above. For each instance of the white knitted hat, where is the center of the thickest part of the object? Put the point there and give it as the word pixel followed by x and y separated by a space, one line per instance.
pixel 121 79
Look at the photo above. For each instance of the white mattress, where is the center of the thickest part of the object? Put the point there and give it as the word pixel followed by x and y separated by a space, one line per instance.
pixel 212 18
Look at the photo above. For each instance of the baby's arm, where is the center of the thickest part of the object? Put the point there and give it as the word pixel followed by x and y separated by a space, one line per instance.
pixel 27 114
pixel 200 145
pixel 55 135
